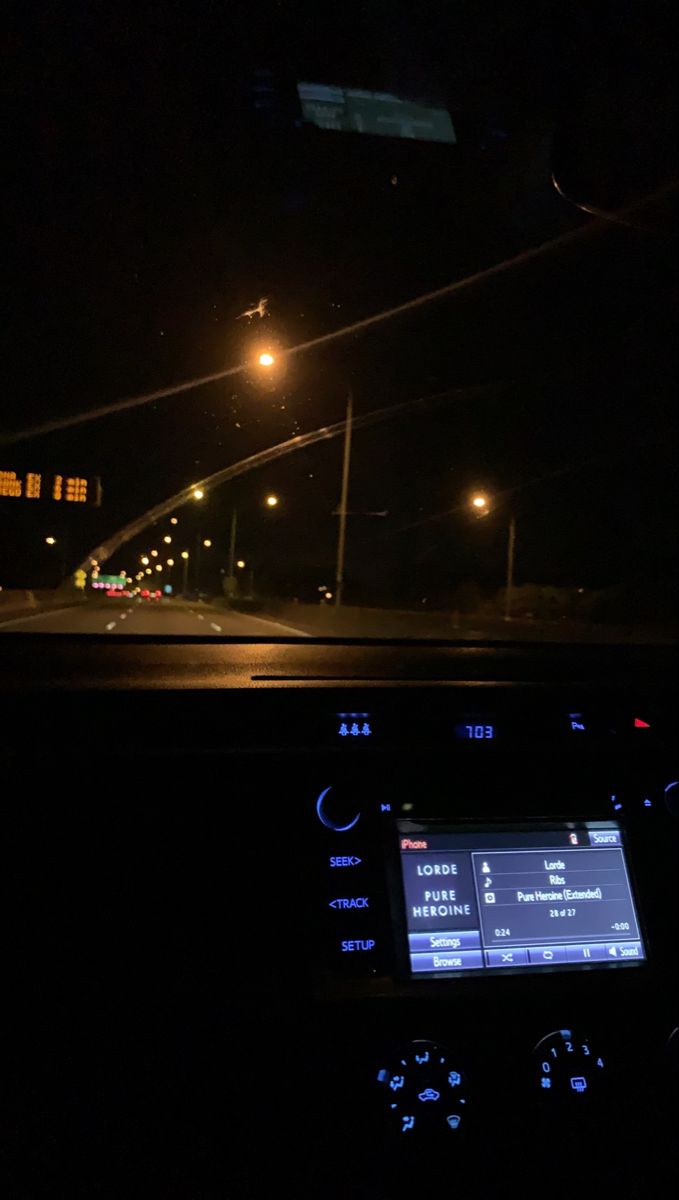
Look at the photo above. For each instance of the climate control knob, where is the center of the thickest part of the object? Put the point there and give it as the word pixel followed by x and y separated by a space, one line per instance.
pixel 424 1091
pixel 567 1068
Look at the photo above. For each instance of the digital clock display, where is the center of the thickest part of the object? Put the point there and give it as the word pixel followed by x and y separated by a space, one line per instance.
pixel 475 731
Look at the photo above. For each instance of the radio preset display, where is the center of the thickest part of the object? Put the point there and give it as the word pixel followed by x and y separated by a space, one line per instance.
pixel 516 898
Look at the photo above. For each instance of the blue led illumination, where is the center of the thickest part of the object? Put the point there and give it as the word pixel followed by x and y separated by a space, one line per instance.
pixel 322 816
pixel 421 1083
pixel 354 725
pixel 475 732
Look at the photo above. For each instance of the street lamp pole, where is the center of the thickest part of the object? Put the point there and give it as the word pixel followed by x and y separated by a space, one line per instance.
pixel 342 535
pixel 185 578
pixel 511 546
pixel 232 543
pixel 196 569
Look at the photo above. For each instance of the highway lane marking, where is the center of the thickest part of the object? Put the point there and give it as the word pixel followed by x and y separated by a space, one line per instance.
pixel 300 633
pixel 53 612
pixel 217 628
pixel 122 616
pixel 111 625
pixel 200 616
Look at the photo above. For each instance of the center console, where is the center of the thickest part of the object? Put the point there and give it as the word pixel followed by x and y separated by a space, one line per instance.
pixel 495 936
pixel 382 941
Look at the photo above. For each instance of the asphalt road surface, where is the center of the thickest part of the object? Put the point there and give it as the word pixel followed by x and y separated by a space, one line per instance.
pixel 146 618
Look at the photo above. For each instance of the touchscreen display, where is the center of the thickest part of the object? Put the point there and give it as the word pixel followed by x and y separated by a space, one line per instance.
pixel 516 898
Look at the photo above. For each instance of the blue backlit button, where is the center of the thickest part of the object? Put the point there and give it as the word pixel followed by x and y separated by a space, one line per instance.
pixel 583 954
pixel 509 957
pixel 349 902
pixel 345 860
pixel 463 960
pixel 605 837
pixel 466 939
pixel 622 950
pixel 547 955
pixel 357 946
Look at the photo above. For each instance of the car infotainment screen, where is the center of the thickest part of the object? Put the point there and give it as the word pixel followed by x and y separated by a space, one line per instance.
pixel 517 898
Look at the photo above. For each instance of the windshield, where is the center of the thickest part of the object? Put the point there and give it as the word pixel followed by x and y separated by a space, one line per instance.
pixel 333 324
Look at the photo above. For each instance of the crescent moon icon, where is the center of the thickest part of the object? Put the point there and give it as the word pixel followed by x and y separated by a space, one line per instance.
pixel 325 819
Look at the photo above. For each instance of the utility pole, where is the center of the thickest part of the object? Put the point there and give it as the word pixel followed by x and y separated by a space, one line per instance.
pixel 196 569
pixel 232 543
pixel 511 545
pixel 344 498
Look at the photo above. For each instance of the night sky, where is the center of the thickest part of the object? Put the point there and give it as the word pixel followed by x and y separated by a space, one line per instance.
pixel 152 202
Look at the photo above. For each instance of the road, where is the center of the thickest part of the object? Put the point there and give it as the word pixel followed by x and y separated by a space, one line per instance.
pixel 144 618
pixel 181 619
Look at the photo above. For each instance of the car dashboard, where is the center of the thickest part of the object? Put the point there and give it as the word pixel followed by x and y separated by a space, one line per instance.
pixel 339 919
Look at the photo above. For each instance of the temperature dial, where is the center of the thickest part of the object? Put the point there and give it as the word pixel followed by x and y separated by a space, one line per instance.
pixel 567 1067
pixel 425 1091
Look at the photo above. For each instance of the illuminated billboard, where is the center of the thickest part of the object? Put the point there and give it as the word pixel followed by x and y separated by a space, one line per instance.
pixel 352 110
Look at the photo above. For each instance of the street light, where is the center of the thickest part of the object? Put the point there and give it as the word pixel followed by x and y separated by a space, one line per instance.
pixel 197 493
pixel 51 541
pixel 159 566
pixel 170 562
pixel 207 543
pixel 185 573
pixel 241 564
pixel 481 505
pixel 271 501
pixel 185 554
pixel 173 521
pixel 266 359
pixel 167 539
pixel 144 560
pixel 154 554
pixel 148 571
